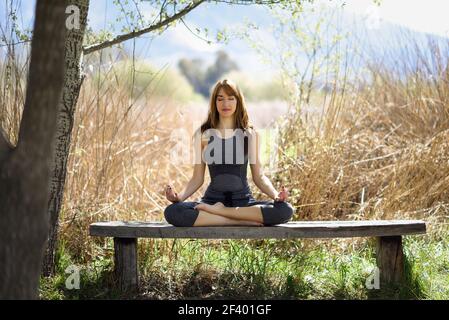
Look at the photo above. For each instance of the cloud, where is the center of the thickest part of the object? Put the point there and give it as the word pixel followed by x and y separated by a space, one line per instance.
pixel 180 35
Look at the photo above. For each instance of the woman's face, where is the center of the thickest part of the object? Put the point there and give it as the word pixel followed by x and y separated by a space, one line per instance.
pixel 226 105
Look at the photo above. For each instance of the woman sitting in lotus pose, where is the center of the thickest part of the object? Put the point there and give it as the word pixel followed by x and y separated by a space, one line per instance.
pixel 228 199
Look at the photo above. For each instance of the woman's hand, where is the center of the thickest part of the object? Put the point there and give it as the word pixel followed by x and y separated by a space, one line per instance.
pixel 171 195
pixel 282 195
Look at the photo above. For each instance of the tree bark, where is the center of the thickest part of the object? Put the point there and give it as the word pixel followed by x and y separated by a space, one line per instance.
pixel 64 125
pixel 24 170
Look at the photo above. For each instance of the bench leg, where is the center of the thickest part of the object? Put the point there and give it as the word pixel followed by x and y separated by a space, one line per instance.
pixel 125 259
pixel 390 260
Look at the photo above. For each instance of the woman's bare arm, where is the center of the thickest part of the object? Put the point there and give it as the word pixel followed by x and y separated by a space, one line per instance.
pixel 259 178
pixel 197 180
pixel 194 183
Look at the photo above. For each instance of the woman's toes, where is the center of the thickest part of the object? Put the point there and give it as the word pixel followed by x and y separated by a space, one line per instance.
pixel 211 208
pixel 201 206
pixel 206 207
pixel 219 204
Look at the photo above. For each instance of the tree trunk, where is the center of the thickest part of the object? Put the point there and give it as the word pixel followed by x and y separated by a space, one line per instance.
pixel 24 170
pixel 64 124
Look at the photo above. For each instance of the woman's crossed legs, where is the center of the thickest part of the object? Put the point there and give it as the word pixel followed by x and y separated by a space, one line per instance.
pixel 252 213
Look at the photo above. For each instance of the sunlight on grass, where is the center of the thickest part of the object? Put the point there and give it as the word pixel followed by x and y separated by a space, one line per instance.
pixel 265 269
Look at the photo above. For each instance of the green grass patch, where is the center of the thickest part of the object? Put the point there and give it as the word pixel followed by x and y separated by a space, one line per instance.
pixel 259 269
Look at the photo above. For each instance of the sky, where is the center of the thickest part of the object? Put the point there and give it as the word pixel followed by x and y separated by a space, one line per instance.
pixel 179 42
pixel 429 16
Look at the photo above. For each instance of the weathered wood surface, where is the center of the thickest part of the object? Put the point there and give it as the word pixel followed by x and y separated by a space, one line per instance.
pixel 390 259
pixel 125 263
pixel 296 229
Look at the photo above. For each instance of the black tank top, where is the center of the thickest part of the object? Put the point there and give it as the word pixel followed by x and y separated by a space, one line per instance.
pixel 227 161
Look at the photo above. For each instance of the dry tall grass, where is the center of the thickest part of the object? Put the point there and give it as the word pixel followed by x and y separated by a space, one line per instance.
pixel 375 150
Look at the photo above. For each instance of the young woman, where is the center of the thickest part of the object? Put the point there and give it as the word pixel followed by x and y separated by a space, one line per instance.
pixel 228 199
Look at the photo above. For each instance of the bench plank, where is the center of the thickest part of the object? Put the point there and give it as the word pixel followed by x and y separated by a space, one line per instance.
pixel 295 229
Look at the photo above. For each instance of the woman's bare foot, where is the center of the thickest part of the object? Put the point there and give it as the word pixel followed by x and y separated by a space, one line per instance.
pixel 211 208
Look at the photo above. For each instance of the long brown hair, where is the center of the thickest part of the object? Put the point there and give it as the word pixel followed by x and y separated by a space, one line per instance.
pixel 241 119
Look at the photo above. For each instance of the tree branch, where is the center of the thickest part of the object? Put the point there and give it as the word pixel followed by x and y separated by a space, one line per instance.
pixel 134 34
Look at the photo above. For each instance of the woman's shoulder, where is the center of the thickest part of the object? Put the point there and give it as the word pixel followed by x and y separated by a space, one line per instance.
pixel 251 129
pixel 252 132
pixel 200 138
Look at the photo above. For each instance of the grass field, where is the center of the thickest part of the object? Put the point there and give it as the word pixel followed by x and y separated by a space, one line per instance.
pixel 260 269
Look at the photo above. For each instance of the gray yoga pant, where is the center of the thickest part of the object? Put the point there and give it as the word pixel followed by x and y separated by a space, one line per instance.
pixel 183 214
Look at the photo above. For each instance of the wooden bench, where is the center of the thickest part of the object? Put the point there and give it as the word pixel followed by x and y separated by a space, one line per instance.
pixel 389 253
